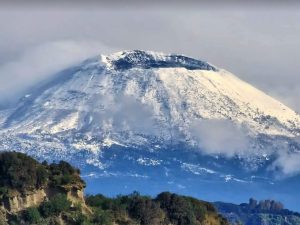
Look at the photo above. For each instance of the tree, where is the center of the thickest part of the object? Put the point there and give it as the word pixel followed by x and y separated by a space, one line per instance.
pixel 178 208
pixel 42 176
pixel 18 171
pixel 145 211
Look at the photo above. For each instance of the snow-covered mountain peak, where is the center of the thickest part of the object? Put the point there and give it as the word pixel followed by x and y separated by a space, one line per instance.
pixel 138 98
pixel 147 59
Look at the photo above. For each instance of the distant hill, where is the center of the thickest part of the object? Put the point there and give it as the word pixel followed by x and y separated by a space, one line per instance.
pixel 50 194
pixel 265 212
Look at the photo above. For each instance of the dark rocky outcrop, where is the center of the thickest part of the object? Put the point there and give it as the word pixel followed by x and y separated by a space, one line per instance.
pixel 265 212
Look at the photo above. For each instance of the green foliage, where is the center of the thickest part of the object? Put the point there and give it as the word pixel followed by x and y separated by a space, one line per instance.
pixel 199 209
pixel 181 210
pixel 102 217
pixel 165 209
pixel 144 210
pixel 42 176
pixel 21 172
pixel 32 215
pixel 75 218
pixel 55 205
pixel 63 173
pixel 100 201
pixel 3 192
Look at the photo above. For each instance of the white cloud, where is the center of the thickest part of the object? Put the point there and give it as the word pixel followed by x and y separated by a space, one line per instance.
pixel 247 34
pixel 41 62
pixel 132 115
pixel 220 137
pixel 287 163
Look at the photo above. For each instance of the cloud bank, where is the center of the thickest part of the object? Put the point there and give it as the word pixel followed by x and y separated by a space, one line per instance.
pixel 287 163
pixel 40 63
pixel 223 137
pixel 220 137
pixel 260 45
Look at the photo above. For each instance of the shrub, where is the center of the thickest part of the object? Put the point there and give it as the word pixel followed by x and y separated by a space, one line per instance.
pixel 100 201
pixel 55 206
pixel 145 211
pixel 3 191
pixel 42 176
pixel 75 218
pixel 32 215
pixel 178 208
pixel 21 172
pixel 102 217
pixel 18 171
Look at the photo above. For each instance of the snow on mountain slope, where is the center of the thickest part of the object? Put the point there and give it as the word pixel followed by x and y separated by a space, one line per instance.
pixel 137 98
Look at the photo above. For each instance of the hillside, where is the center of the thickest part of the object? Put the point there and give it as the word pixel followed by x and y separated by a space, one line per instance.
pixel 38 193
pixel 265 212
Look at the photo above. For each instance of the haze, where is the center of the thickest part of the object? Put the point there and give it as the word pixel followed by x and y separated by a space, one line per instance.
pixel 258 43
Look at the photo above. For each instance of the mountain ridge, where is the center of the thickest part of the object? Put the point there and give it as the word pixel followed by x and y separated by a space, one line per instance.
pixel 253 213
pixel 147 59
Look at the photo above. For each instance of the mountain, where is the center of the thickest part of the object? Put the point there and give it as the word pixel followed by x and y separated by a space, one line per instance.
pixel 267 212
pixel 138 118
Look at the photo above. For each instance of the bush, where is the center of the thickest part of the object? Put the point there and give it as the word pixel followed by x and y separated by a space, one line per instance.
pixel 145 211
pixel 63 174
pixel 42 176
pixel 102 217
pixel 18 171
pixel 21 172
pixel 178 208
pixel 32 215
pixel 100 201
pixel 55 206
pixel 3 192
pixel 75 218
pixel 200 208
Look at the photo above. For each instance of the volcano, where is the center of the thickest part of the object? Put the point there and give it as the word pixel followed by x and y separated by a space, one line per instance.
pixel 148 121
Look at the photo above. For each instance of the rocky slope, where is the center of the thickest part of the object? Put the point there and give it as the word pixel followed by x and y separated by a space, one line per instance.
pixel 25 183
pixel 265 212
